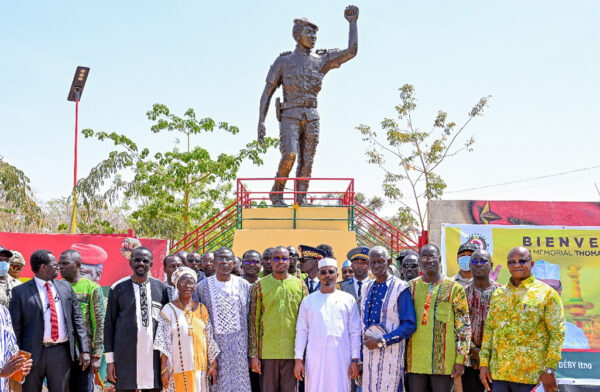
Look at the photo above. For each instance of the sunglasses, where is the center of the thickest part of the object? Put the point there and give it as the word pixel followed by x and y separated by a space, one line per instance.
pixel 325 272
pixel 521 262
pixel 194 260
pixel 278 259
pixel 16 267
pixel 251 262
pixel 429 258
pixel 479 261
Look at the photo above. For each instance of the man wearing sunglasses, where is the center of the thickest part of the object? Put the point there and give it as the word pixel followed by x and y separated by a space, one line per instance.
pixel 273 314
pixel 329 332
pixel 437 351
pixel 479 294
pixel 309 266
pixel 251 263
pixel 524 331
pixel 17 263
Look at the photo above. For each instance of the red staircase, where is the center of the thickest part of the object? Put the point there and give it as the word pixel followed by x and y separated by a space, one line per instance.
pixel 370 229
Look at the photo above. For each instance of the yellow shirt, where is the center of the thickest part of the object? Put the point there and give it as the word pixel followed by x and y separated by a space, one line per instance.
pixel 524 332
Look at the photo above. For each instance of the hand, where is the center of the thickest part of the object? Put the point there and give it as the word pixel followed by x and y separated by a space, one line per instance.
pixel 27 366
pixel 474 354
pixel 84 360
pixel 111 372
pixel 370 342
pixel 13 365
pixel 549 382
pixel 95 365
pixel 486 377
pixel 164 379
pixel 457 370
pixel 299 369
pixel 255 365
pixel 351 13
pixel 262 131
pixel 353 371
pixel 494 274
pixel 212 371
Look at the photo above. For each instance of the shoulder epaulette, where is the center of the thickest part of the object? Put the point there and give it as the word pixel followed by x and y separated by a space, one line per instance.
pixel 285 53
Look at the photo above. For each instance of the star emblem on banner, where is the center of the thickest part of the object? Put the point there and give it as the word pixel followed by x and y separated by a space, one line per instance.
pixel 486 215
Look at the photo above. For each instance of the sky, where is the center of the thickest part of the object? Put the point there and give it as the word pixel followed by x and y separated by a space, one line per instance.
pixel 539 60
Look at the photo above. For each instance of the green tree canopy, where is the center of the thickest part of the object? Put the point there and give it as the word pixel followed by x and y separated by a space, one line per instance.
pixel 18 209
pixel 171 191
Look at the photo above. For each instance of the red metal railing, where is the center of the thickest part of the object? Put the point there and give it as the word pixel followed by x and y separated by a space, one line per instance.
pixel 343 195
pixel 370 229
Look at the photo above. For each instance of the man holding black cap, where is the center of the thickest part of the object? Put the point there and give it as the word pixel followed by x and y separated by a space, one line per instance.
pixel 7 282
pixel 463 257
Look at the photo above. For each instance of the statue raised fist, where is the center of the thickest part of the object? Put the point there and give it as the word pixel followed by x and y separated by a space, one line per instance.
pixel 351 13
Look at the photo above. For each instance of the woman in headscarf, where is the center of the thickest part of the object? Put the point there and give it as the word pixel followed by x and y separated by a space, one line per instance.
pixel 185 339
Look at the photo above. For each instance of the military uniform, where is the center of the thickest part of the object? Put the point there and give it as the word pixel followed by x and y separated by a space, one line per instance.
pixel 300 73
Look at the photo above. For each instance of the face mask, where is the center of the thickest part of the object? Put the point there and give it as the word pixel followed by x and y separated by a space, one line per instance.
pixel 464 262
pixel 4 268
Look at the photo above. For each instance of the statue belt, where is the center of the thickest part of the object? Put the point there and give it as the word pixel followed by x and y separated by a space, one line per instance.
pixel 299 104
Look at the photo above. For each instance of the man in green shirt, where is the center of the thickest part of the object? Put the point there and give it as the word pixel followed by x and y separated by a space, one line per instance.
pixel 274 308
pixel 91 303
pixel 436 352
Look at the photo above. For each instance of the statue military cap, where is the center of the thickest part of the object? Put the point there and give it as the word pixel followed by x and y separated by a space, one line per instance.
pixel 360 252
pixel 306 22
pixel 309 251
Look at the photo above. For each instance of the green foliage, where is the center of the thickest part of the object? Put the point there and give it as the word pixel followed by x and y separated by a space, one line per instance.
pixel 171 191
pixel 410 157
pixel 18 209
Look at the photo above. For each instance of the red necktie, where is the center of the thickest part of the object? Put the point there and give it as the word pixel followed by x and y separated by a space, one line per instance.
pixel 53 315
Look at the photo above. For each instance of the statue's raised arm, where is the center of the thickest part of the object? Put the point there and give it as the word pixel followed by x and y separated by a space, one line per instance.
pixel 300 73
pixel 339 57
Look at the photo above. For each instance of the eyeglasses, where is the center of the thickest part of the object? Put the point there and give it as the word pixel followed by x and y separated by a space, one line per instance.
pixel 194 261
pixel 429 258
pixel 510 263
pixel 325 272
pixel 278 259
pixel 479 261
pixel 251 262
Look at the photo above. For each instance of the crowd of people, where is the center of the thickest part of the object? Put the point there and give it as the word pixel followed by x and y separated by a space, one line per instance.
pixel 282 321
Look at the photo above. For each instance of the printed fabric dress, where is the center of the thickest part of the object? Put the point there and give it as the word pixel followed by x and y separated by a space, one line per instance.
pixel 228 304
pixel 8 344
pixel 187 339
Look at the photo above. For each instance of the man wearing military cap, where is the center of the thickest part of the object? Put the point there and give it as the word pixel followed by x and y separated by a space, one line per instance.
pixel 359 260
pixel 309 259
pixel 17 263
pixel 300 73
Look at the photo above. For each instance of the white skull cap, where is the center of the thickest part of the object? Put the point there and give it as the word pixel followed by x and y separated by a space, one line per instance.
pixel 327 262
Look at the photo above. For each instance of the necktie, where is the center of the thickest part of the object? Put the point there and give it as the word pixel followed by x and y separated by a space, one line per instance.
pixel 310 286
pixel 359 287
pixel 53 315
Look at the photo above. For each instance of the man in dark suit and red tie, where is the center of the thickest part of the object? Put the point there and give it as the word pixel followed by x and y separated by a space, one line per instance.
pixel 48 323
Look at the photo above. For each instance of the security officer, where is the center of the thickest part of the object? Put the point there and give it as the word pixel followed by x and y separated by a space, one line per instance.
pixel 301 73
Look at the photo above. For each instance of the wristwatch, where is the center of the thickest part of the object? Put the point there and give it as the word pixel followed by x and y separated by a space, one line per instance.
pixel 549 371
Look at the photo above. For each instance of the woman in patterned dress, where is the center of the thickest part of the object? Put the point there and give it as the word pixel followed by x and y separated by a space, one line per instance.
pixel 185 340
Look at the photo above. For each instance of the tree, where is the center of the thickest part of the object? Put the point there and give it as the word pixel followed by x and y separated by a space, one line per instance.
pixel 171 191
pixel 19 210
pixel 411 157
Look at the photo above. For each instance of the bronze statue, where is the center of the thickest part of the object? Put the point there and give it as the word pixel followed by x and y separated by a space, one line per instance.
pixel 301 73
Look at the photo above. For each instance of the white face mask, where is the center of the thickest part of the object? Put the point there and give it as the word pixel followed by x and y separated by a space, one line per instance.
pixel 464 262
pixel 4 268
